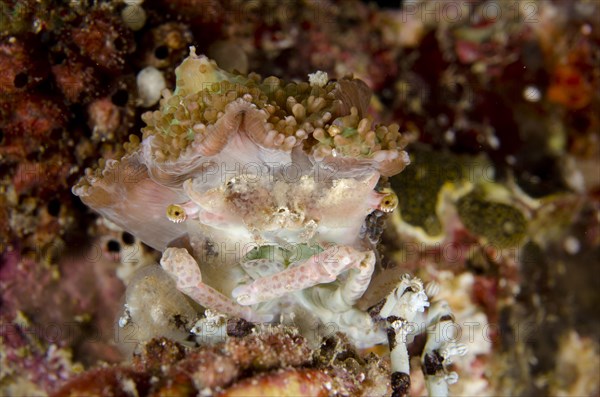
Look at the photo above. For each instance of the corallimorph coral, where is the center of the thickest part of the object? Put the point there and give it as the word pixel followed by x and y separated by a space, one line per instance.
pixel 209 111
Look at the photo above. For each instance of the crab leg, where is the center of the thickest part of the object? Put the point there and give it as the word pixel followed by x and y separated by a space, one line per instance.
pixel 319 269
pixel 398 309
pixel 183 268
pixel 359 278
pixel 258 268
pixel 440 347
pixel 350 290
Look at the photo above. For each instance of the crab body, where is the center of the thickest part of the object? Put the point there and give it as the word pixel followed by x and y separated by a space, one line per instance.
pixel 257 194
pixel 267 244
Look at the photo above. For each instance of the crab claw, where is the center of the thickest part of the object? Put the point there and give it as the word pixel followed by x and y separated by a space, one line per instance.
pixel 184 269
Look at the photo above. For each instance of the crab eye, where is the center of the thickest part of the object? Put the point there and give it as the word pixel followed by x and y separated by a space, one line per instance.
pixel 176 213
pixel 389 202
pixel 231 182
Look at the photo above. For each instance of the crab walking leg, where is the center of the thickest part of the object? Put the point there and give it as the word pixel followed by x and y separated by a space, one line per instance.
pixel 319 269
pixel 400 381
pixel 350 290
pixel 359 278
pixel 183 268
pixel 440 347
pixel 399 309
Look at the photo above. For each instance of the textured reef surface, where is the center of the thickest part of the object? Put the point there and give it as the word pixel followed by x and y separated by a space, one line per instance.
pixel 453 141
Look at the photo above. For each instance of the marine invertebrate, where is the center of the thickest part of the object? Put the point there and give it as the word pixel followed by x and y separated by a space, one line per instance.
pixel 75 80
pixel 103 39
pixel 282 176
pixel 19 70
pixel 454 105
pixel 275 361
pixel 166 45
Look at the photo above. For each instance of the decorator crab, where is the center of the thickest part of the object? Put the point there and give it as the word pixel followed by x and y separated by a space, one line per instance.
pixel 264 198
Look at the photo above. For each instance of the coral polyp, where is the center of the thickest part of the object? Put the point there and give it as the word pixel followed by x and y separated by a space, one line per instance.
pixel 205 109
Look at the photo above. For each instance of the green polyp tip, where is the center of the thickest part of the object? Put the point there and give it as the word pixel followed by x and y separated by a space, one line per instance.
pixel 348 132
